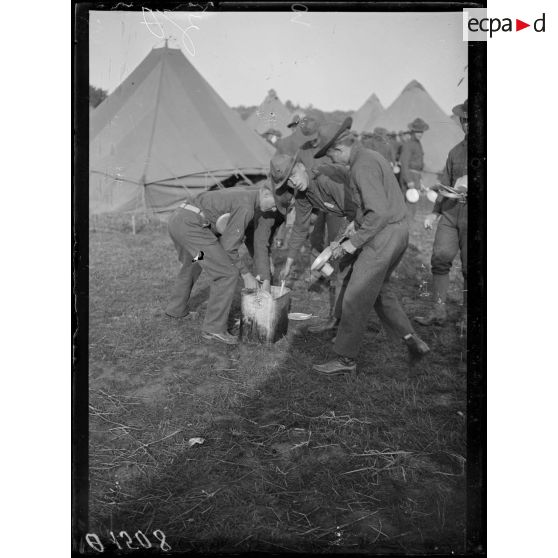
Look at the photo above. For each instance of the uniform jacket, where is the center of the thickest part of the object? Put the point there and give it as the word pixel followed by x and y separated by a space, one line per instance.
pixel 328 191
pixel 376 192
pixel 411 158
pixel 242 206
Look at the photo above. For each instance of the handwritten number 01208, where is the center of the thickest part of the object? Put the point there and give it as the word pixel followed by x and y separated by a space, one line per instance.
pixel 95 543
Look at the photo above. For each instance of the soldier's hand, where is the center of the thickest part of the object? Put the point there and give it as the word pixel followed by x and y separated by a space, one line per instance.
pixel 285 272
pixel 266 286
pixel 348 247
pixel 336 250
pixel 350 230
pixel 249 281
pixel 430 220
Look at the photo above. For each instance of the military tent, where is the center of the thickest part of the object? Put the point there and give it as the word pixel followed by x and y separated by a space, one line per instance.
pixel 272 114
pixel 414 101
pixel 367 114
pixel 164 135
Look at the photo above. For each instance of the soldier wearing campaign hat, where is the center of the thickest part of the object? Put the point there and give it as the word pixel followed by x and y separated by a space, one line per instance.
pixel 327 224
pixel 372 252
pixel 451 235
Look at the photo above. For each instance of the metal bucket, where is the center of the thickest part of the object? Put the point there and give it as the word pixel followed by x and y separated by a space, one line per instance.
pixel 265 316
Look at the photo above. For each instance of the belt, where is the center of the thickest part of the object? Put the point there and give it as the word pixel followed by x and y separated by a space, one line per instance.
pixel 192 208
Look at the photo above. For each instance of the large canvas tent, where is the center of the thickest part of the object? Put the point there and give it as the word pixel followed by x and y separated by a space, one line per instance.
pixel 272 114
pixel 163 135
pixel 414 101
pixel 367 114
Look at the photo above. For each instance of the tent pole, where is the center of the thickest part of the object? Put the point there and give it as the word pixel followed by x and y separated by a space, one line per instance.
pixel 244 176
pixel 133 223
pixel 209 172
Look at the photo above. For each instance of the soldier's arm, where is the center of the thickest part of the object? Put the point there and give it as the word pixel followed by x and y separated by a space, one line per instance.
pixel 404 160
pixel 446 179
pixel 374 204
pixel 233 235
pixel 301 225
pixel 264 228
pixel 341 193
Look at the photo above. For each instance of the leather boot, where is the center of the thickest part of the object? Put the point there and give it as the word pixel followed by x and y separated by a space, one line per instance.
pixel 438 315
pixel 335 367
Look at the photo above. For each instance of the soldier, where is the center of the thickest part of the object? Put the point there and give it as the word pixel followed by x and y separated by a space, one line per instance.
pixel 325 189
pixel 325 221
pixel 275 226
pixel 371 254
pixel 411 159
pixel 451 234
pixel 192 228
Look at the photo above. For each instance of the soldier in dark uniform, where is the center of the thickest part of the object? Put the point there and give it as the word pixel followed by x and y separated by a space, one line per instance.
pixel 192 228
pixel 451 234
pixel 326 224
pixel 325 189
pixel 372 252
pixel 411 159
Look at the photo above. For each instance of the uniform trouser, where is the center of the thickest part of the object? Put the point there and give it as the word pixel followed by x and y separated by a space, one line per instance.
pixel 365 285
pixel 411 207
pixel 333 223
pixel 189 237
pixel 451 237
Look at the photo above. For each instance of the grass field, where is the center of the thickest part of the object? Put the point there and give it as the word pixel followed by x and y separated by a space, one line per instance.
pixel 290 461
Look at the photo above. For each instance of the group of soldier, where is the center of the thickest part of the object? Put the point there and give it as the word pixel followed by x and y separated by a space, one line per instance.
pixel 347 187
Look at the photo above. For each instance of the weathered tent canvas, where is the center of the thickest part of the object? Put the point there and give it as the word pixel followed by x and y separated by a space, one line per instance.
pixel 366 115
pixel 414 101
pixel 163 135
pixel 271 114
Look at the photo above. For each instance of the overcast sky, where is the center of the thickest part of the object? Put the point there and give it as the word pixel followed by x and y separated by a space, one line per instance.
pixel 332 60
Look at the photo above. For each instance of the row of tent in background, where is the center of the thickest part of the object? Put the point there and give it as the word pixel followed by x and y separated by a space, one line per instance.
pixel 164 135
pixel 272 117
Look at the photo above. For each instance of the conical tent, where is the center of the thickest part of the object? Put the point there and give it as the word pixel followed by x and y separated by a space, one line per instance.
pixel 367 114
pixel 414 101
pixel 272 114
pixel 164 135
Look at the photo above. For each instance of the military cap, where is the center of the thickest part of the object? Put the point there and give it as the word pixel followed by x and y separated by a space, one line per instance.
pixel 330 133
pixel 460 110
pixel 418 125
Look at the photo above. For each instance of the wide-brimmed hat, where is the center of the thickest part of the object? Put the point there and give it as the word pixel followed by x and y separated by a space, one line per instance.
pixel 418 125
pixel 295 121
pixel 280 168
pixel 330 133
pixel 460 110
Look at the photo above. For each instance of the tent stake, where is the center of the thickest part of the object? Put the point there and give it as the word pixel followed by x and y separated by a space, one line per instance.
pixel 133 224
